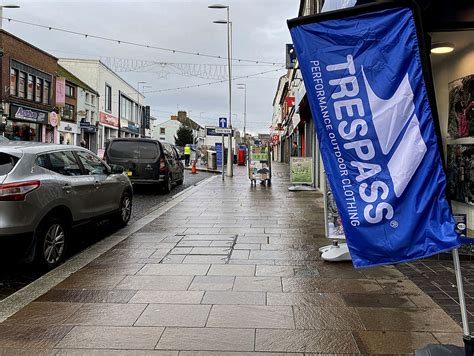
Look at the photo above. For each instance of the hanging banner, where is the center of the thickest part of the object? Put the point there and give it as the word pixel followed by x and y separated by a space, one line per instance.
pixel 367 92
pixel 60 91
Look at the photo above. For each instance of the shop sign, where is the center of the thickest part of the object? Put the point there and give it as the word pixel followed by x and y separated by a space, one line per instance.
pixel 301 170
pixel 53 119
pixel 108 119
pixel 28 114
pixel 133 127
pixel 275 138
pixel 211 131
pixel 60 91
pixel 290 101
pixel 123 123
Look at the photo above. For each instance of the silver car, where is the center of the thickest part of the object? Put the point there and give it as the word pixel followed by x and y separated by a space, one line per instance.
pixel 46 190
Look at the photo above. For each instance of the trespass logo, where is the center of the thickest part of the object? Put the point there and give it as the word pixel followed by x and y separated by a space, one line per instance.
pixel 370 137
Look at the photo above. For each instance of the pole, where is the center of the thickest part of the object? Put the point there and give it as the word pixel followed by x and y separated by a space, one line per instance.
pixel 229 64
pixel 468 342
pixel 245 109
pixel 223 157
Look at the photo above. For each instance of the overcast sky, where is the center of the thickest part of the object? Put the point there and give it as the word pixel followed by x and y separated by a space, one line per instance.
pixel 259 33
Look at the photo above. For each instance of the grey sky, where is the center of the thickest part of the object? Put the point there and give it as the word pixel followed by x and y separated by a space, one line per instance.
pixel 259 33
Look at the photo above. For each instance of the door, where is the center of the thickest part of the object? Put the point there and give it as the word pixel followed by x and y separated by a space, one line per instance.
pixel 107 188
pixel 148 165
pixel 75 189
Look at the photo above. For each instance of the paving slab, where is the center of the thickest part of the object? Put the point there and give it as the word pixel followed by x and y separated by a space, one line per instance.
pixel 232 270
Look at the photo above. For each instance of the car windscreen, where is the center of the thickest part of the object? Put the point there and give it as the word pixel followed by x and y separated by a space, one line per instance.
pixel 149 150
pixel 123 150
pixel 7 163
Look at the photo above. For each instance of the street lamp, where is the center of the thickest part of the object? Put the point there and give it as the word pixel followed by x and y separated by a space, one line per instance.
pixel 244 87
pixel 9 6
pixel 229 65
pixel 140 121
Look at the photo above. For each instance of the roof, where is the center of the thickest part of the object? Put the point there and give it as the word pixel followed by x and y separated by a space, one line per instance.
pixel 190 123
pixel 63 72
pixel 27 43
pixel 33 147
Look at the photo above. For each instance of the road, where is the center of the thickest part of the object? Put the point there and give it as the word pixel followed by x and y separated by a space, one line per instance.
pixel 15 275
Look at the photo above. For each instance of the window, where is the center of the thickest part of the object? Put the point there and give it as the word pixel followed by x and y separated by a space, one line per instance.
pixel 46 91
pixel 126 109
pixel 68 113
pixel 7 163
pixel 92 164
pixel 123 149
pixel 148 150
pixel 108 98
pixel 13 81
pixel 39 90
pixel 64 163
pixel 87 114
pixel 162 131
pixel 92 116
pixel 69 91
pixel 87 97
pixel 92 99
pixel 31 87
pixel 21 85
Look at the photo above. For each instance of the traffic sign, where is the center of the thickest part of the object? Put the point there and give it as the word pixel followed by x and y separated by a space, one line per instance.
pixel 223 131
pixel 222 122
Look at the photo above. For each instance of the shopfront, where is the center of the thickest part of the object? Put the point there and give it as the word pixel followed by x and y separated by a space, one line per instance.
pixel 88 136
pixel 25 123
pixel 108 129
pixel 68 133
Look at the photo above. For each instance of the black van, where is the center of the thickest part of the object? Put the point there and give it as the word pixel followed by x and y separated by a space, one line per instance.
pixel 147 161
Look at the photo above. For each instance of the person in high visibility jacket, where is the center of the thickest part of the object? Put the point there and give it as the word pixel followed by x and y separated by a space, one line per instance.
pixel 187 154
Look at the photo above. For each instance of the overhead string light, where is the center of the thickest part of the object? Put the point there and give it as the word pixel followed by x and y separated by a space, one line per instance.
pixel 86 35
pixel 211 83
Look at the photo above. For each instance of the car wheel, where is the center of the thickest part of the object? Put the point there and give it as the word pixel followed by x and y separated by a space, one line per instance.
pixel 52 239
pixel 168 184
pixel 125 211
pixel 180 182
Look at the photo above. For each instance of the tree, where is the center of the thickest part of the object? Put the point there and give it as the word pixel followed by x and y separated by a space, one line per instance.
pixel 184 136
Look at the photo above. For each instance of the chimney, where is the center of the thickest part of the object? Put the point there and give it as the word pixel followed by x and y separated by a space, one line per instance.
pixel 182 115
pixel 173 117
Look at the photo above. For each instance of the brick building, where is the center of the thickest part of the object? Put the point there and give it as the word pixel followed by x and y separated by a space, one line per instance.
pixel 27 91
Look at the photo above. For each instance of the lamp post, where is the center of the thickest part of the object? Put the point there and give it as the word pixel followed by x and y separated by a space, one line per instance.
pixel 9 6
pixel 139 107
pixel 244 87
pixel 229 65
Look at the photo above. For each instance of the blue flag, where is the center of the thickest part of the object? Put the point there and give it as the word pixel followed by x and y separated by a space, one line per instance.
pixel 364 80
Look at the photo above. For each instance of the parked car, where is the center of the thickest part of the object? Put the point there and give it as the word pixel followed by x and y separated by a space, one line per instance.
pixel 46 190
pixel 147 161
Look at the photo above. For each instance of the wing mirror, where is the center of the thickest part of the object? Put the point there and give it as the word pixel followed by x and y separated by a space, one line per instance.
pixel 116 169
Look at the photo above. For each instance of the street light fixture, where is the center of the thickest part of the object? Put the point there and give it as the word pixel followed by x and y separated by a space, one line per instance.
pixel 244 87
pixel 229 65
pixel 8 6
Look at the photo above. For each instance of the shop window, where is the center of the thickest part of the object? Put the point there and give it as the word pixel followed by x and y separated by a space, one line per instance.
pixel 31 87
pixel 69 91
pixel 108 98
pixel 13 82
pixel 21 84
pixel 17 131
pixel 39 90
pixel 46 91
pixel 68 113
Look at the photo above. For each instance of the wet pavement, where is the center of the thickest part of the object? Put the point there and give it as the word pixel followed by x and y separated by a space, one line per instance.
pixel 230 269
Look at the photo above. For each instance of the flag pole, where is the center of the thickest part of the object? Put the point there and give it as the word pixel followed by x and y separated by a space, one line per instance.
pixel 468 341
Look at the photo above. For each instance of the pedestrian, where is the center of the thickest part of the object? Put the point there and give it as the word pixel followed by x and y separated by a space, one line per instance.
pixel 187 155
pixel 294 150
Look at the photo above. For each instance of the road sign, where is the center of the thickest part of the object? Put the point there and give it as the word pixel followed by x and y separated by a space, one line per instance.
pixel 223 131
pixel 222 122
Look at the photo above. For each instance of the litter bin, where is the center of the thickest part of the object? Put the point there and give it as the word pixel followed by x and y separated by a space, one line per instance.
pixel 211 160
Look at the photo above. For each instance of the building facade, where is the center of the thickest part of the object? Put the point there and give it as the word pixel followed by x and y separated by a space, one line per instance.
pixel 79 114
pixel 27 93
pixel 121 106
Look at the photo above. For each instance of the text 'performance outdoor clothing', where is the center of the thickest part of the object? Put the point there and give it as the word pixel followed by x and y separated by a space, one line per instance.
pixel 364 79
